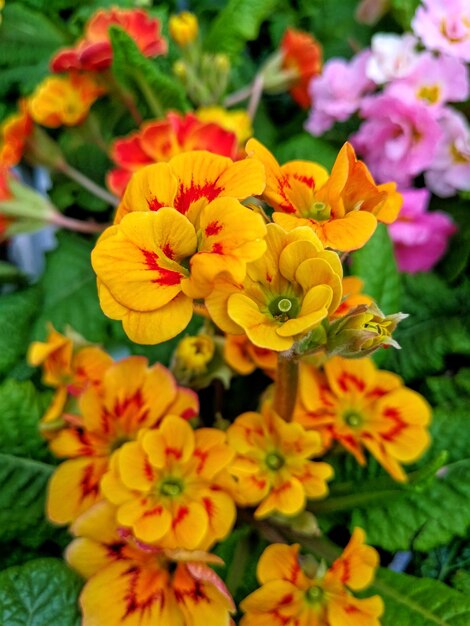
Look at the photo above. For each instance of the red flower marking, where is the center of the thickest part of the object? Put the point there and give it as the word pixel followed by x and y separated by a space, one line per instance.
pixel 183 512
pixel 89 484
pixel 213 228
pixel 351 609
pixel 286 206
pixel 133 603
pixel 307 180
pixel 166 277
pixel 188 413
pixel 217 248
pixel 209 506
pixel 394 415
pixel 347 380
pixel 154 204
pixel 202 457
pixel 196 594
pixel 168 251
pixel 176 452
pixel 156 511
pixel 148 470
pixel 186 196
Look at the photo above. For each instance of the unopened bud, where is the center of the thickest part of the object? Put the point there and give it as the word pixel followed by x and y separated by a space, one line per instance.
pixel 184 28
pixel 180 70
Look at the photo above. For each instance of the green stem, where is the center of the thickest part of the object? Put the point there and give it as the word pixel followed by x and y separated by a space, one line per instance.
pixel 153 102
pixel 77 226
pixel 285 388
pixel 343 503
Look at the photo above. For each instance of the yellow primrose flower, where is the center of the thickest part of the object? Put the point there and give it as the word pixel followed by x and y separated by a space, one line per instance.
pixel 183 28
pixel 55 356
pixel 361 407
pixel 272 464
pixel 291 595
pixel 238 121
pixel 180 224
pixel 166 489
pixel 286 293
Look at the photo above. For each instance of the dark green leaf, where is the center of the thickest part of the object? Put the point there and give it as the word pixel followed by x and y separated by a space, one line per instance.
pixel 308 148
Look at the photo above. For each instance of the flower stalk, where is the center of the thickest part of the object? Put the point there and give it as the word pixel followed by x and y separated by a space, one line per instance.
pixel 287 380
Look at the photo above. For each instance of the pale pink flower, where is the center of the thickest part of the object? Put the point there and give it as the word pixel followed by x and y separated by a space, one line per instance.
pixel 449 171
pixel 434 81
pixel 336 94
pixel 444 25
pixel 392 56
pixel 420 238
pixel 398 139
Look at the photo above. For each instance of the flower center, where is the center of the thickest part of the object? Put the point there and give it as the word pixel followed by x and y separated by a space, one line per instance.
pixel 274 460
pixel 171 487
pixel 429 93
pixel 319 211
pixel 118 442
pixel 353 419
pixel 314 595
pixel 284 308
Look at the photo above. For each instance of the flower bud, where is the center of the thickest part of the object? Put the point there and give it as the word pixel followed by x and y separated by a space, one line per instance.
pixel 362 331
pixel 197 361
pixel 183 28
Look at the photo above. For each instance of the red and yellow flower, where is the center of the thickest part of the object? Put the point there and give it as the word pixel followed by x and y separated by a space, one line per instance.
pixel 94 52
pixel 166 486
pixel 148 586
pixel 295 591
pixel 302 54
pixel 55 356
pixel 64 100
pixel 238 121
pixel 286 293
pixel 361 407
pixel 352 296
pixel 244 357
pixel 272 465
pixel 179 225
pixel 342 208
pixel 163 139
pixel 15 132
pixel 131 396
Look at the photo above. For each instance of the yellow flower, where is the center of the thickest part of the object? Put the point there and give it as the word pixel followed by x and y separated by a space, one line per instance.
pixel 193 354
pixel 244 357
pixel 286 293
pixel 361 407
pixel 55 356
pixel 131 396
pixel 180 224
pixel 238 121
pixel 64 100
pixel 183 28
pixel 272 464
pixel 132 584
pixel 291 596
pixel 166 487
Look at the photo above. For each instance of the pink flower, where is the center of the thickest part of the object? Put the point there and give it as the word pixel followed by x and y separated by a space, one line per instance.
pixel 450 168
pixel 434 81
pixel 393 56
pixel 398 140
pixel 444 25
pixel 336 94
pixel 420 238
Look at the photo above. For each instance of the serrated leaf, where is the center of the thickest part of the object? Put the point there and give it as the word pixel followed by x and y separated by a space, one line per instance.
pixel 43 592
pixel 308 148
pixel 141 75
pixel 21 408
pixel 375 265
pixel 238 22
pixel 17 310
pixel 411 601
pixel 420 520
pixel 22 500
pixel 69 286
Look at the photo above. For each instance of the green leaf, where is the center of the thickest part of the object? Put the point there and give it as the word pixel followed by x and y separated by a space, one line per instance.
pixel 10 274
pixel 415 519
pixel 43 592
pixel 306 147
pixel 450 389
pixel 17 311
pixel 139 74
pixel 411 601
pixel 22 500
pixel 69 286
pixel 22 406
pixel 403 11
pixel 238 22
pixel 375 265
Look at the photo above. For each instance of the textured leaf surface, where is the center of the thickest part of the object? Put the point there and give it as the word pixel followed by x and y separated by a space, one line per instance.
pixel 42 592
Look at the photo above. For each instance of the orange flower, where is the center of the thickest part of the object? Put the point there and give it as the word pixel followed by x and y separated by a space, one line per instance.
pixel 272 464
pixel 131 396
pixel 362 407
pixel 286 293
pixel 341 208
pixel 130 583
pixel 14 134
pixel 166 486
pixel 94 52
pixel 55 356
pixel 163 139
pixel 303 54
pixel 244 357
pixel 64 100
pixel 291 596
pixel 178 227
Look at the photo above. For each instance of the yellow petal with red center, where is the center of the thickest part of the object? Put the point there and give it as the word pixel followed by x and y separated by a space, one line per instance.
pixel 304 177
pixel 221 513
pixel 89 366
pixel 388 462
pixel 189 524
pixel 87 556
pixel 286 497
pixel 74 487
pixel 135 471
pixel 280 562
pixel 319 272
pixel 140 593
pixel 211 452
pixel 356 567
pixel 390 210
pixel 150 188
pixel 384 383
pixel 314 476
pixel 349 232
pixel 345 610
pixel 186 404
pixel 271 596
pixel 314 309
pixel 55 355
pixel 347 377
pixel 173 442
pixel 217 304
pixel 72 442
pixel 150 520
pixel 246 432
pixel 251 488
